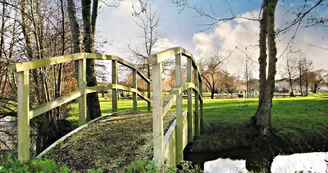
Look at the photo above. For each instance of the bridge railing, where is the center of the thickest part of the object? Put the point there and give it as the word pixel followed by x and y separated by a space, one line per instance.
pixel 184 128
pixel 25 113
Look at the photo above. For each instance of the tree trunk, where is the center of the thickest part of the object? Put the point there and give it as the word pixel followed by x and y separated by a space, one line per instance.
pixel 306 83
pixel 75 29
pixel 212 94
pixel 263 49
pixel 261 121
pixel 88 41
pixel 315 88
pixel 290 80
pixel 301 76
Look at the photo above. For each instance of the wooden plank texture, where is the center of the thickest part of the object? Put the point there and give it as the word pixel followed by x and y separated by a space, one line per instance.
pixel 190 111
pixel 82 82
pixel 179 130
pixel 23 116
pixel 158 137
pixel 45 107
pixel 114 82
pixel 134 94
pixel 22 66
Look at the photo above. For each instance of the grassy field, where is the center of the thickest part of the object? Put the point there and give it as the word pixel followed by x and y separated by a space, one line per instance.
pixel 295 121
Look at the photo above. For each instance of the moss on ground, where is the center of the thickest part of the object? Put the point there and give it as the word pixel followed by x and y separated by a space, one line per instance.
pixel 110 143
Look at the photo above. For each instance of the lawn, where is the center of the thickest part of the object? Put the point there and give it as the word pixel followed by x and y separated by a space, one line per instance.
pixel 295 121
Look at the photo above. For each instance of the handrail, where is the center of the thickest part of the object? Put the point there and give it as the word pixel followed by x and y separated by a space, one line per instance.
pixel 172 148
pixel 25 113
pixel 171 98
pixel 22 66
pixel 165 54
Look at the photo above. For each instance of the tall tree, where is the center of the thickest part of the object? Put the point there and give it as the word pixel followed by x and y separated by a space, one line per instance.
pixel 89 28
pixel 148 20
pixel 290 74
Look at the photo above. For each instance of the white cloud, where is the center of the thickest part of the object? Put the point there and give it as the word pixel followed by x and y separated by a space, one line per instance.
pixel 243 33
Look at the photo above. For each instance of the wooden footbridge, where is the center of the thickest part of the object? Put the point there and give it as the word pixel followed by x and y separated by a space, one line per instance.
pixel 168 146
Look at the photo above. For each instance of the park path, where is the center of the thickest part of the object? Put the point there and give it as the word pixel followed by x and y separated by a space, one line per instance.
pixel 109 143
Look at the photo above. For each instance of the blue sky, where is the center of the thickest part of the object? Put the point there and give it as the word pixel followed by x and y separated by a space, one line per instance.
pixel 116 25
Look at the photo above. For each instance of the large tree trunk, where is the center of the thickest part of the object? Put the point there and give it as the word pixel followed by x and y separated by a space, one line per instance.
pixel 88 40
pixel 261 121
pixel 75 29
pixel 263 56
pixel 212 94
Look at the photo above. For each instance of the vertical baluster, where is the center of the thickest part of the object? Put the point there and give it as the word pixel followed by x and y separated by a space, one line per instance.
pixel 201 106
pixel 134 85
pixel 23 110
pixel 179 131
pixel 82 85
pixel 148 95
pixel 158 136
pixel 114 82
pixel 197 121
pixel 190 112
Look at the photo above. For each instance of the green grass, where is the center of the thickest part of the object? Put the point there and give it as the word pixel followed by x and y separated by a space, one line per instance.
pixel 295 121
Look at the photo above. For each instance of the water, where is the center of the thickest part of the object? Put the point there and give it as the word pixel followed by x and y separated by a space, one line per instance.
pixel 306 162
pixel 287 159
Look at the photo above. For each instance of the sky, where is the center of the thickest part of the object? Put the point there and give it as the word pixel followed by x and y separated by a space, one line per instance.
pixel 116 26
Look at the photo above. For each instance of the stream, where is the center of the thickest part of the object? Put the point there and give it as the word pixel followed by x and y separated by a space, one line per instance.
pixel 270 159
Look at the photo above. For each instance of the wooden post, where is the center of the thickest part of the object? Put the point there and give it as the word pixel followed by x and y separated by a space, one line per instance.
pixel 82 85
pixel 114 90
pixel 179 118
pixel 148 95
pixel 23 110
pixel 158 136
pixel 201 106
pixel 197 120
pixel 190 122
pixel 134 85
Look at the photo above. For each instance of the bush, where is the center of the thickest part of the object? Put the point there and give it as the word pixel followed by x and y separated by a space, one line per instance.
pixel 38 166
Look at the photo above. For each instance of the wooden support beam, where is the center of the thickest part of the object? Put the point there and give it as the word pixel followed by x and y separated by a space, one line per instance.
pixel 114 81
pixel 179 118
pixel 158 136
pixel 45 107
pixel 190 111
pixel 197 119
pixel 201 107
pixel 23 110
pixel 134 85
pixel 82 82
pixel 148 95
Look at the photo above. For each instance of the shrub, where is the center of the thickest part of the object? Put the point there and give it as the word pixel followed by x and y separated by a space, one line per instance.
pixel 38 166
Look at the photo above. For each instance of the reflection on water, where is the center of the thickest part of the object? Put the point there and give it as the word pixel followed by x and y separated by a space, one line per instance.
pixel 306 162
pixel 225 165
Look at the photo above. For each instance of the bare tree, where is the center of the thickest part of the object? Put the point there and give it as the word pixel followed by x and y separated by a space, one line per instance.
pixel 290 73
pixel 211 71
pixel 317 78
pixel 149 22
